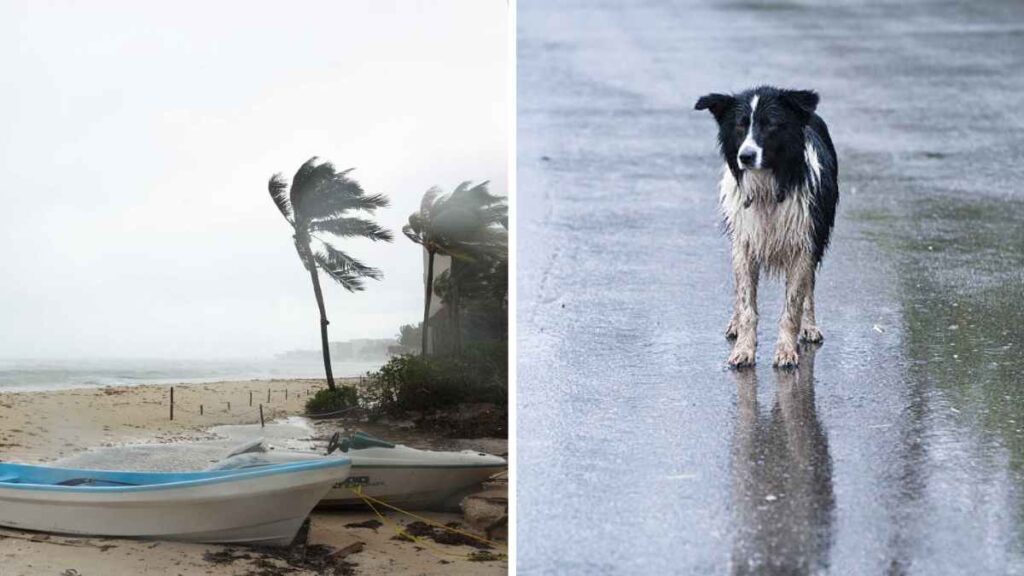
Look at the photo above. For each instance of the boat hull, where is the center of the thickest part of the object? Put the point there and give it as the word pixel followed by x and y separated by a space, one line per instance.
pixel 417 487
pixel 399 475
pixel 265 506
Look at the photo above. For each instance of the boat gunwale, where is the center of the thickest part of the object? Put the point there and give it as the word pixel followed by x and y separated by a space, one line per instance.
pixel 430 466
pixel 192 479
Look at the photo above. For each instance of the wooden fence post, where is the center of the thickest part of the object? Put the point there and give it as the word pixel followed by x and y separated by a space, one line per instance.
pixel 261 416
pixel 172 402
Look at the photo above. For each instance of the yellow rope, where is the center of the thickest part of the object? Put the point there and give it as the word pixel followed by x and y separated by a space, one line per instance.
pixel 402 533
pixel 359 492
pixel 369 500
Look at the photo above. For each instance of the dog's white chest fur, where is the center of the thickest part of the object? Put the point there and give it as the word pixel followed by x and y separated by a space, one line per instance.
pixel 774 234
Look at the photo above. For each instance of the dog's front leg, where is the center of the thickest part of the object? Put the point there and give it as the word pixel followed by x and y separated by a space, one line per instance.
pixel 809 331
pixel 733 329
pixel 798 281
pixel 746 272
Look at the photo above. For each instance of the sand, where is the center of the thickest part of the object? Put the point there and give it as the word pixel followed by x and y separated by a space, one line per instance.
pixel 40 427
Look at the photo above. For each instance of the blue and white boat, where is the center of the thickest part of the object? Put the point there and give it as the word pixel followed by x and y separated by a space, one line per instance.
pixel 265 505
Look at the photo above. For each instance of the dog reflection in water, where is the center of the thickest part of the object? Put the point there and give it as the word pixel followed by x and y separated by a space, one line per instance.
pixel 782 477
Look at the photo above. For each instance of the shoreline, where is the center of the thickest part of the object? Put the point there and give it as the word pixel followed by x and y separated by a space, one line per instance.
pixel 164 382
pixel 42 376
pixel 43 426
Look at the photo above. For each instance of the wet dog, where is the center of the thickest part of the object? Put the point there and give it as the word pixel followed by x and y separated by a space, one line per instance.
pixel 778 193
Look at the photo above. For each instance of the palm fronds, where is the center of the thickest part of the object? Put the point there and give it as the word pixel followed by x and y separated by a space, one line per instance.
pixel 308 179
pixel 344 269
pixel 349 227
pixel 319 201
pixel 428 201
pixel 337 202
pixel 469 220
pixel 279 193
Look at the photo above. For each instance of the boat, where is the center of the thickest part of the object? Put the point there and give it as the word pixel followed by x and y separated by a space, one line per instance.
pixel 393 473
pixel 264 505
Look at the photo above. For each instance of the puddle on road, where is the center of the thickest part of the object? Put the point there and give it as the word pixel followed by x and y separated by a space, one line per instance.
pixel 782 475
pixel 960 266
pixel 959 262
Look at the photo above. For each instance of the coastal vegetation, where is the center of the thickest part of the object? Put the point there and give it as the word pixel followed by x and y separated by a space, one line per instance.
pixel 318 206
pixel 465 396
pixel 463 344
pixel 413 383
pixel 331 400
pixel 470 225
pixel 459 381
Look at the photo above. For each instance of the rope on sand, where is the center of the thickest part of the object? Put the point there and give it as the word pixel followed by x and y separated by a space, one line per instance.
pixel 370 501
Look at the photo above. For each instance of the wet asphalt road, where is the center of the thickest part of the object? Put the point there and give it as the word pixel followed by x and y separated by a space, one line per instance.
pixel 898 447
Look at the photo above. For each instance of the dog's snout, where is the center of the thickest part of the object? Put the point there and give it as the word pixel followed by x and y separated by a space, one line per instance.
pixel 747 157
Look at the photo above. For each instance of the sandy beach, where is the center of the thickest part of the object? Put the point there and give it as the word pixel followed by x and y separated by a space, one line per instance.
pixel 41 427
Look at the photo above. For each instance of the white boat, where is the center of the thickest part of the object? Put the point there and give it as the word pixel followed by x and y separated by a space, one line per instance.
pixel 261 505
pixel 394 473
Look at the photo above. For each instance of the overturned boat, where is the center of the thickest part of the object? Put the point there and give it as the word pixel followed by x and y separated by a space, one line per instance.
pixel 394 473
pixel 264 505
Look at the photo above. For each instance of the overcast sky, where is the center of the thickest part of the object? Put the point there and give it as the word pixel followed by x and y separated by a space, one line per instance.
pixel 136 140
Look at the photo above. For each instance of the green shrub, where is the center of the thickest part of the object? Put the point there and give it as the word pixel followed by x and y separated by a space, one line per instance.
pixel 413 383
pixel 328 400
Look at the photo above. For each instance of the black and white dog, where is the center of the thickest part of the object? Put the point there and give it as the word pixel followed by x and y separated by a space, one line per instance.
pixel 778 193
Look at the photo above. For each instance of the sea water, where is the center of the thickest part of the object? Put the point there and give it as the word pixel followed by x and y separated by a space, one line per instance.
pixel 27 375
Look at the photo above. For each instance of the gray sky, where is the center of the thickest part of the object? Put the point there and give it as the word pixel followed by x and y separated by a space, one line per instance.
pixel 136 140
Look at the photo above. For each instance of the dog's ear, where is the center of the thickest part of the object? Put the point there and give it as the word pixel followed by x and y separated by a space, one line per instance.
pixel 803 101
pixel 718 104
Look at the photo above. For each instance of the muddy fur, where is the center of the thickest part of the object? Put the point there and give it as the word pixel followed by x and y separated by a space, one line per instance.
pixel 778 196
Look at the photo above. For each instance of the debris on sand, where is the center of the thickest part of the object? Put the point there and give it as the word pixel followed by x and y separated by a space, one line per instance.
pixel 226 556
pixel 403 537
pixel 442 536
pixel 484 556
pixel 316 558
pixel 372 524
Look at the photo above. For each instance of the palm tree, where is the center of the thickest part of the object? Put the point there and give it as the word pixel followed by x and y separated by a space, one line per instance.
pixel 465 224
pixel 317 207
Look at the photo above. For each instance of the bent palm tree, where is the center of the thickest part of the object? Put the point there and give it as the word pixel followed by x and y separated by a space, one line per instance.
pixel 317 207
pixel 464 224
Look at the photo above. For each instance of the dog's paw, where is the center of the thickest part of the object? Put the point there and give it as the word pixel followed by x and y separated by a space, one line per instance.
pixel 811 334
pixel 742 356
pixel 785 356
pixel 732 330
